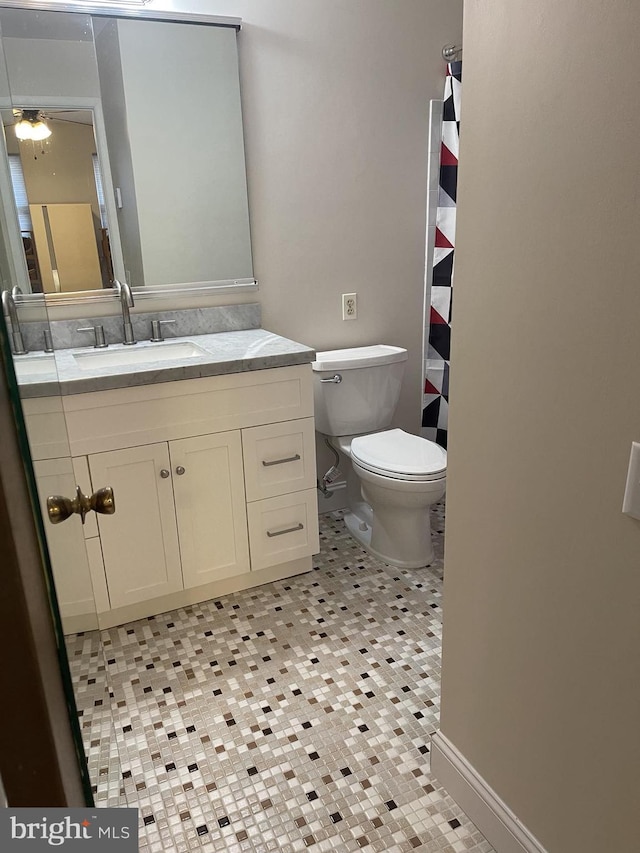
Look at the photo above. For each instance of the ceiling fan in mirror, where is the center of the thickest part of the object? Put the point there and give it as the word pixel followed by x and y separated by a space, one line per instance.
pixel 31 124
pixel 34 124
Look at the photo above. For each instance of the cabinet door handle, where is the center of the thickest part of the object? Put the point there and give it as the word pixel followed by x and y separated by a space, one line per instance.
pixel 271 533
pixel 180 470
pixel 164 473
pixel 60 508
pixel 281 461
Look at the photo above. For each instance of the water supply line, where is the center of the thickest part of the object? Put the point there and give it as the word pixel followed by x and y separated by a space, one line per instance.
pixel 332 474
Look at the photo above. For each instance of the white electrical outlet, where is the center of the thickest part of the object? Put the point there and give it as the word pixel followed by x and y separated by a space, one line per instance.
pixel 349 306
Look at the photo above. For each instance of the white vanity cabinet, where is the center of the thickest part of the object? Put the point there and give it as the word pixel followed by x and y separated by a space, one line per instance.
pixel 282 506
pixel 214 482
pixel 208 485
pixel 74 548
pixel 140 542
pixel 67 548
pixel 180 518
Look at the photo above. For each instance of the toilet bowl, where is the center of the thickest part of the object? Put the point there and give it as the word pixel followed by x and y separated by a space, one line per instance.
pixel 393 477
pixel 398 477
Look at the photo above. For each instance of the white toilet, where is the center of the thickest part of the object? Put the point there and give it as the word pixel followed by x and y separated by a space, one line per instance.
pixel 393 477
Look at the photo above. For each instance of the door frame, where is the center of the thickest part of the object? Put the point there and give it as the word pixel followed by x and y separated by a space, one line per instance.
pixel 41 762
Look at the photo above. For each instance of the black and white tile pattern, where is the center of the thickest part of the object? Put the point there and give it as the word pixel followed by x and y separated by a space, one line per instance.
pixel 293 716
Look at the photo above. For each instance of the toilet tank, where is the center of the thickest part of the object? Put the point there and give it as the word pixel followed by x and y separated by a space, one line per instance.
pixel 366 396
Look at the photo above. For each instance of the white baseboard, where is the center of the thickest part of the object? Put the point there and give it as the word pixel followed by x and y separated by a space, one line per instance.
pixel 479 802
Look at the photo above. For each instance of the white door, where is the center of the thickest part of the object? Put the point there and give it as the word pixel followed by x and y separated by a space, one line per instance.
pixel 140 542
pixel 210 506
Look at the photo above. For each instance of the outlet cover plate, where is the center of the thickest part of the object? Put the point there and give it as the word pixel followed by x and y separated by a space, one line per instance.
pixel 349 306
pixel 631 502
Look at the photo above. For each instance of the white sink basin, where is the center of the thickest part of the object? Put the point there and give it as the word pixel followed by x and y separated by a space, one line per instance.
pixel 34 365
pixel 132 355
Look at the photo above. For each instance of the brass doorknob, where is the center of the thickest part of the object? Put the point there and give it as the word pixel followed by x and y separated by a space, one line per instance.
pixel 103 501
pixel 59 508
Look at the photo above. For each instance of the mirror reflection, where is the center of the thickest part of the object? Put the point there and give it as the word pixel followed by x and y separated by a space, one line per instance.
pixel 59 197
pixel 123 170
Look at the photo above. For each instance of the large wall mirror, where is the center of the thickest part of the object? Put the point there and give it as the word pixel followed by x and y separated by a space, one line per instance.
pixel 122 154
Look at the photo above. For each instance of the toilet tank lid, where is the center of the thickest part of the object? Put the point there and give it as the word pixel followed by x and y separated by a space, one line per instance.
pixel 345 359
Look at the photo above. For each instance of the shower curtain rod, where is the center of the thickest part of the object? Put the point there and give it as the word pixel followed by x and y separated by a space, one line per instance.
pixel 451 52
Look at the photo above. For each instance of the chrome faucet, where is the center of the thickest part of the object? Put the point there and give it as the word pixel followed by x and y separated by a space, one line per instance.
pixel 123 292
pixel 10 312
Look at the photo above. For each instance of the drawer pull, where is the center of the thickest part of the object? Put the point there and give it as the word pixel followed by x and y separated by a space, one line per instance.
pixel 288 530
pixel 281 461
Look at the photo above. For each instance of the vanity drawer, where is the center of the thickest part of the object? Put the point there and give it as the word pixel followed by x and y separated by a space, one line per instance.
pixel 283 528
pixel 145 414
pixel 46 427
pixel 279 458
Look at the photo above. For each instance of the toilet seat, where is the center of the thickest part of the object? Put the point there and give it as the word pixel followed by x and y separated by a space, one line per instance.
pixel 400 456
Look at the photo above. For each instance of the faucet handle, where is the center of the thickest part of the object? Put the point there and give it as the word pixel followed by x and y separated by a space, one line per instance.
pixel 156 329
pixel 99 334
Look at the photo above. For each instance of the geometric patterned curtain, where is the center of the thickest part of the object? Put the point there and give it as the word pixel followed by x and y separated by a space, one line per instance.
pixel 436 389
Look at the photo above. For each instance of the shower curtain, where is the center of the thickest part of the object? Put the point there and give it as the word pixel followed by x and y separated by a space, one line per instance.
pixel 436 387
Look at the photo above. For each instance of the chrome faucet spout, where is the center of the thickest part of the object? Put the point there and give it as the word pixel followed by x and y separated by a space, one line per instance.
pixel 11 313
pixel 123 292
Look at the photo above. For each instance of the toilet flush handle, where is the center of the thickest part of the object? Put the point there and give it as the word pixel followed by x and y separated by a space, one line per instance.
pixel 335 379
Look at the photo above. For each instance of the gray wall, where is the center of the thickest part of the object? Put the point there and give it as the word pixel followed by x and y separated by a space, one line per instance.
pixel 336 102
pixel 541 672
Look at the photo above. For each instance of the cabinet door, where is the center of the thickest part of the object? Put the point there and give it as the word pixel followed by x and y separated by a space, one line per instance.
pixel 67 548
pixel 139 542
pixel 210 506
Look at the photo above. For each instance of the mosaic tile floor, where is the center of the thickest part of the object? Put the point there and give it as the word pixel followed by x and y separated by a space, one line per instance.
pixel 293 716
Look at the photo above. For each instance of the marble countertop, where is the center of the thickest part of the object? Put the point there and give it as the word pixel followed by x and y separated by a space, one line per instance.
pixel 79 370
